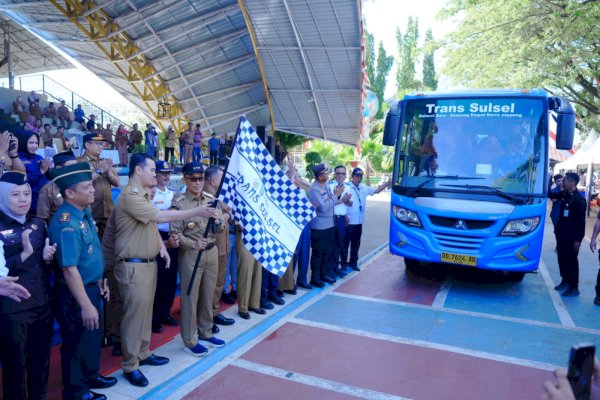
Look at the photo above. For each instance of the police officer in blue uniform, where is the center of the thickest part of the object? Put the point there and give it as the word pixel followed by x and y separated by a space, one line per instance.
pixel 79 285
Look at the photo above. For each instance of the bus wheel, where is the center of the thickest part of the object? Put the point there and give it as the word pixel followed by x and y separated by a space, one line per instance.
pixel 516 276
pixel 412 265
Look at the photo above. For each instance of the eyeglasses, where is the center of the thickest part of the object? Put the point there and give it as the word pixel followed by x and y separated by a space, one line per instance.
pixel 340 173
pixel 200 179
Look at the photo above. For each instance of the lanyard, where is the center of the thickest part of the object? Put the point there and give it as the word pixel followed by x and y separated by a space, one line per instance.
pixel 357 195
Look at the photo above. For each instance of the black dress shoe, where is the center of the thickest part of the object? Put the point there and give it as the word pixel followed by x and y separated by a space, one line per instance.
pixel 277 300
pixel 318 284
pixel 227 298
pixel 279 292
pixel 116 351
pixel 215 329
pixel 329 280
pixel 293 292
pixel 266 305
pixel 91 396
pixel 223 320
pixel 244 315
pixel 157 328
pixel 136 378
pixel 355 267
pixel 170 321
pixel 257 310
pixel 153 359
pixel 101 382
pixel 305 286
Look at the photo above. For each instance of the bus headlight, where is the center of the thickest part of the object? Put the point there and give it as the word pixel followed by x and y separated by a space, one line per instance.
pixel 520 227
pixel 407 217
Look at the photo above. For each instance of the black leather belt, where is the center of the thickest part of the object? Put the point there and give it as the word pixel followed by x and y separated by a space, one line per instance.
pixel 140 260
pixel 210 246
pixel 340 216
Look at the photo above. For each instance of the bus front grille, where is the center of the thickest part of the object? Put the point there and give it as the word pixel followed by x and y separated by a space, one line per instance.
pixel 452 242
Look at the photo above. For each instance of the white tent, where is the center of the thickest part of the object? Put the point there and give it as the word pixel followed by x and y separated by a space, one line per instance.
pixel 589 152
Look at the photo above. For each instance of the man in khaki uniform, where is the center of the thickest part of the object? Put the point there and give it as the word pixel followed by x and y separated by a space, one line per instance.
pixel 249 279
pixel 197 307
pixel 104 178
pixel 213 177
pixel 137 245
pixel 50 198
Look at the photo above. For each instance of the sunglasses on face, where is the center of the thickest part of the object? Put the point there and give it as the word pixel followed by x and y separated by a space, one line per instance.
pixel 340 173
pixel 199 179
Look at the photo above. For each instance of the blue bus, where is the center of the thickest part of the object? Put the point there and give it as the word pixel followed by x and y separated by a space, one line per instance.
pixel 471 176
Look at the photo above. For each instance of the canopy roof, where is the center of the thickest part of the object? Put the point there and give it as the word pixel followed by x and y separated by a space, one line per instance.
pixel 589 152
pixel 294 65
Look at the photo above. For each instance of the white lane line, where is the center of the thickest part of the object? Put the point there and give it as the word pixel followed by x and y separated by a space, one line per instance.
pixel 442 294
pixel 429 345
pixel 559 305
pixel 571 328
pixel 326 384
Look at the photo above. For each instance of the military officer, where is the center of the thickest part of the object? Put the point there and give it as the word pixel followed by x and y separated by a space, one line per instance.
pixel 137 245
pixel 167 277
pixel 104 177
pixel 197 307
pixel 213 177
pixel 80 287
pixel 50 198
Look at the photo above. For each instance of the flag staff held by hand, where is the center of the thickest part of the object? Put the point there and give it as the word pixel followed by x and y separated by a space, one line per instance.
pixel 211 221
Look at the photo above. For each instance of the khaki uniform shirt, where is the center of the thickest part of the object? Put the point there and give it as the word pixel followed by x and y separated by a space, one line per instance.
pixel 191 229
pixel 222 235
pixel 137 235
pixel 49 199
pixel 103 201
pixel 136 137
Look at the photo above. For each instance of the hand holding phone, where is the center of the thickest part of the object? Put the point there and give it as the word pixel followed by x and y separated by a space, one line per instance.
pixel 581 367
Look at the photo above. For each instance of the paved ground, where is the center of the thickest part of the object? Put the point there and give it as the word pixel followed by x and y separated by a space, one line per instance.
pixel 383 333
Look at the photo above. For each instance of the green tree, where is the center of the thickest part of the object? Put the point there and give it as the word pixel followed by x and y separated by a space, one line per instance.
pixel 384 64
pixel 311 159
pixel 407 57
pixel 288 141
pixel 370 157
pixel 370 55
pixel 429 79
pixel 529 43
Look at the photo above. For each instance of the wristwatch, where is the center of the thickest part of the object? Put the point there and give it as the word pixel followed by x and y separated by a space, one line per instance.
pixel 99 171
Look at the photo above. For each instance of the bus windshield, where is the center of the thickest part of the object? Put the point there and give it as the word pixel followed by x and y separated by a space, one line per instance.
pixel 492 143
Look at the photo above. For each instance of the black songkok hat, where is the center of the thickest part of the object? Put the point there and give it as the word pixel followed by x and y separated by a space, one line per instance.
pixel 72 174
pixel 14 177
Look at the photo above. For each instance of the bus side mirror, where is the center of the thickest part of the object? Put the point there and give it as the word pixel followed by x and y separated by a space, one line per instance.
pixel 392 124
pixel 565 122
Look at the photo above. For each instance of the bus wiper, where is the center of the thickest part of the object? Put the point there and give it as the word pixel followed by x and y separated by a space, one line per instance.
pixel 498 192
pixel 416 189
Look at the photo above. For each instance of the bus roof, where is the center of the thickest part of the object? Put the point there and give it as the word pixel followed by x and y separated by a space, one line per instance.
pixel 469 93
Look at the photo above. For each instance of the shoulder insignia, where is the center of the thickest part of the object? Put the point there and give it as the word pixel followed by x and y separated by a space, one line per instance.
pixel 34 227
pixel 65 217
pixel 134 190
pixel 210 196
pixel 178 197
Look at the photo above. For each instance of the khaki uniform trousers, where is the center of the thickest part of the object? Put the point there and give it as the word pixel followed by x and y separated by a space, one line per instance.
pixel 249 277
pixel 286 282
pixel 197 308
pixel 220 283
pixel 137 284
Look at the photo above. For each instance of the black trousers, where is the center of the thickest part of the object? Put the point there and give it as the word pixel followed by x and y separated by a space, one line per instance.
pixel 214 157
pixel 80 350
pixel 166 284
pixel 169 154
pixel 321 242
pixel 568 263
pixel 340 252
pixel 269 284
pixel 352 240
pixel 25 341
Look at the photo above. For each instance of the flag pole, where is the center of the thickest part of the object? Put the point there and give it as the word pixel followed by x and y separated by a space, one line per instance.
pixel 211 220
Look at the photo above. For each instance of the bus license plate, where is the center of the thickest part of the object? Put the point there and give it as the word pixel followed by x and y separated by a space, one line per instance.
pixel 461 259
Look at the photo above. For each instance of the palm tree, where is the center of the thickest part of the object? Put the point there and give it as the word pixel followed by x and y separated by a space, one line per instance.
pixel 288 141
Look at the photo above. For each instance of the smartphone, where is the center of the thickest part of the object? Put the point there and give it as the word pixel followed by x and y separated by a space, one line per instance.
pixel 581 366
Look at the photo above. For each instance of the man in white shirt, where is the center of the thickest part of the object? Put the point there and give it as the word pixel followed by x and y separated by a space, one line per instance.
pixel 356 216
pixel 340 253
pixel 167 277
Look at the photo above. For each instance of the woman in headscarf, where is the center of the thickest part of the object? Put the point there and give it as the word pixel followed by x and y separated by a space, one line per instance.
pixel 121 140
pixel 25 326
pixel 35 165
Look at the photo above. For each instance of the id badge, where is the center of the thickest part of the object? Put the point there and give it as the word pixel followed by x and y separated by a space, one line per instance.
pixel 566 213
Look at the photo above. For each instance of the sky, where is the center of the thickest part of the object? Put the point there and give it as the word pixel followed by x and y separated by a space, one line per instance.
pixel 381 16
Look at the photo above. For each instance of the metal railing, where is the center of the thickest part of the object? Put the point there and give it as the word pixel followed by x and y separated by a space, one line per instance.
pixel 57 92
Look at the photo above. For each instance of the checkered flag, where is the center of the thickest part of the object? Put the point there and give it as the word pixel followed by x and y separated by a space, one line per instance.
pixel 271 209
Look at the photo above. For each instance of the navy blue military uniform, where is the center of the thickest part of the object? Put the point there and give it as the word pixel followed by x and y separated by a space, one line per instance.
pixel 78 245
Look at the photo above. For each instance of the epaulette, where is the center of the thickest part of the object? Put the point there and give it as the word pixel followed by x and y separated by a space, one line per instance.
pixel 178 198
pixel 210 196
pixel 133 189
